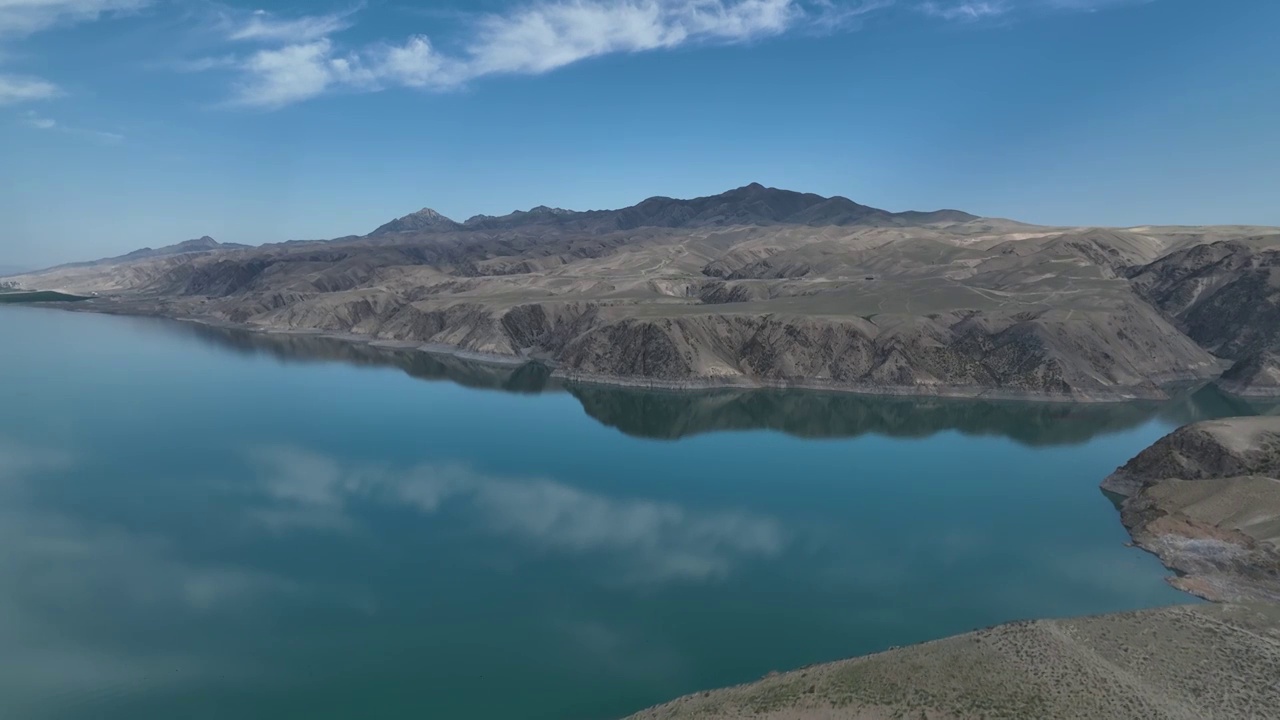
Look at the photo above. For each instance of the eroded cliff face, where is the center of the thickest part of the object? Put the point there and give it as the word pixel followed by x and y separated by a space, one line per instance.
pixel 967 353
pixel 1206 500
pixel 1127 351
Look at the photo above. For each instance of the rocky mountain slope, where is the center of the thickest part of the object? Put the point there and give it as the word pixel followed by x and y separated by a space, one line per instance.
pixel 1226 297
pixel 196 245
pixel 1206 500
pixel 753 287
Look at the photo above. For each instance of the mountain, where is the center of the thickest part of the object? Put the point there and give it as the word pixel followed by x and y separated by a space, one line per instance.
pixel 200 244
pixel 1226 297
pixel 754 205
pixel 425 220
pixel 758 287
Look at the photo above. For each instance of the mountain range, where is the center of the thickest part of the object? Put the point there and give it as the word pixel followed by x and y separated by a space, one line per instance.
pixel 753 204
pixel 756 287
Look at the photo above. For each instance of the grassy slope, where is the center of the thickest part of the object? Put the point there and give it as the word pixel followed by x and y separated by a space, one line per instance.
pixel 1201 661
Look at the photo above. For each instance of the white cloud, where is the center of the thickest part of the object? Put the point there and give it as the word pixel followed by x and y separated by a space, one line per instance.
pixel 545 37
pixel 19 18
pixel 280 77
pixel 415 64
pixel 968 10
pixel 531 40
pixel 40 122
pixel 15 89
pixel 302 61
pixel 265 27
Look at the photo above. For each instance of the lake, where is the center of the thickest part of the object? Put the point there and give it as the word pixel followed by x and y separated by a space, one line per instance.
pixel 201 523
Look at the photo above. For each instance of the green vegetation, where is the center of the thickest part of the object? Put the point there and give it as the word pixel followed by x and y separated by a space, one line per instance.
pixel 31 296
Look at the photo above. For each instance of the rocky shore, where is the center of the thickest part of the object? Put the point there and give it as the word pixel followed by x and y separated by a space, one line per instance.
pixel 1206 500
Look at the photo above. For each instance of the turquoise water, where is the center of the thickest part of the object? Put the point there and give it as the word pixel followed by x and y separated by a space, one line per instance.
pixel 203 524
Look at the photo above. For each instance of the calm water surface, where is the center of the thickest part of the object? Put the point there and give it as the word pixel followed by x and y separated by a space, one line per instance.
pixel 204 524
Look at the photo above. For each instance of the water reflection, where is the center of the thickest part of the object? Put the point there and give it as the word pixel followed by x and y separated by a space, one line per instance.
pixel 72 586
pixel 672 415
pixel 644 540
pixel 190 533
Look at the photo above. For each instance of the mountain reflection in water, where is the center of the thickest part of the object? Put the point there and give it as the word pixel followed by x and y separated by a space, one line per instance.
pixel 670 415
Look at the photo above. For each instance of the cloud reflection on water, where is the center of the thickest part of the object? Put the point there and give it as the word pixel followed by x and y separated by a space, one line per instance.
pixel 659 540
pixel 69 587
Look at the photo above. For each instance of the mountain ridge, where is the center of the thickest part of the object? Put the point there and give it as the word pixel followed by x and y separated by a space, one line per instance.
pixel 752 204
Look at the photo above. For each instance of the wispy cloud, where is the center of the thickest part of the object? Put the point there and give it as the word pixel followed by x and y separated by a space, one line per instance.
pixel 299 58
pixel 531 40
pixel 975 10
pixel 967 10
pixel 16 89
pixel 19 18
pixel 39 122
pixel 1091 5
pixel 263 26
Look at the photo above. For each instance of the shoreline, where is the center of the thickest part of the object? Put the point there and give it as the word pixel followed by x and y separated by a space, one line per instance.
pixel 1162 383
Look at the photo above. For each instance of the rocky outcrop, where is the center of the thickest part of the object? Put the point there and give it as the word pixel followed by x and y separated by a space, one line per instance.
pixel 1204 450
pixel 1206 500
pixel 1258 375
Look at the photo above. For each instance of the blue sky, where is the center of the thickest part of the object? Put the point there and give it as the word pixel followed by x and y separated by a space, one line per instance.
pixel 144 122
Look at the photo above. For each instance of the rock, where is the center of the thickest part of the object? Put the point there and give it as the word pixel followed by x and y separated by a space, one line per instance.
pixel 1206 500
pixel 1210 449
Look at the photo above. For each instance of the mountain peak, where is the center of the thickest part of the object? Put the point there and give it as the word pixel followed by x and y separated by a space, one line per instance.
pixel 201 243
pixel 422 220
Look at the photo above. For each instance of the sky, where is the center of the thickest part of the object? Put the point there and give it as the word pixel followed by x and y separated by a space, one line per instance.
pixel 132 123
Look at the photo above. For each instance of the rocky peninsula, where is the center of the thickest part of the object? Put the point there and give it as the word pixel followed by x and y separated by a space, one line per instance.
pixel 1206 500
